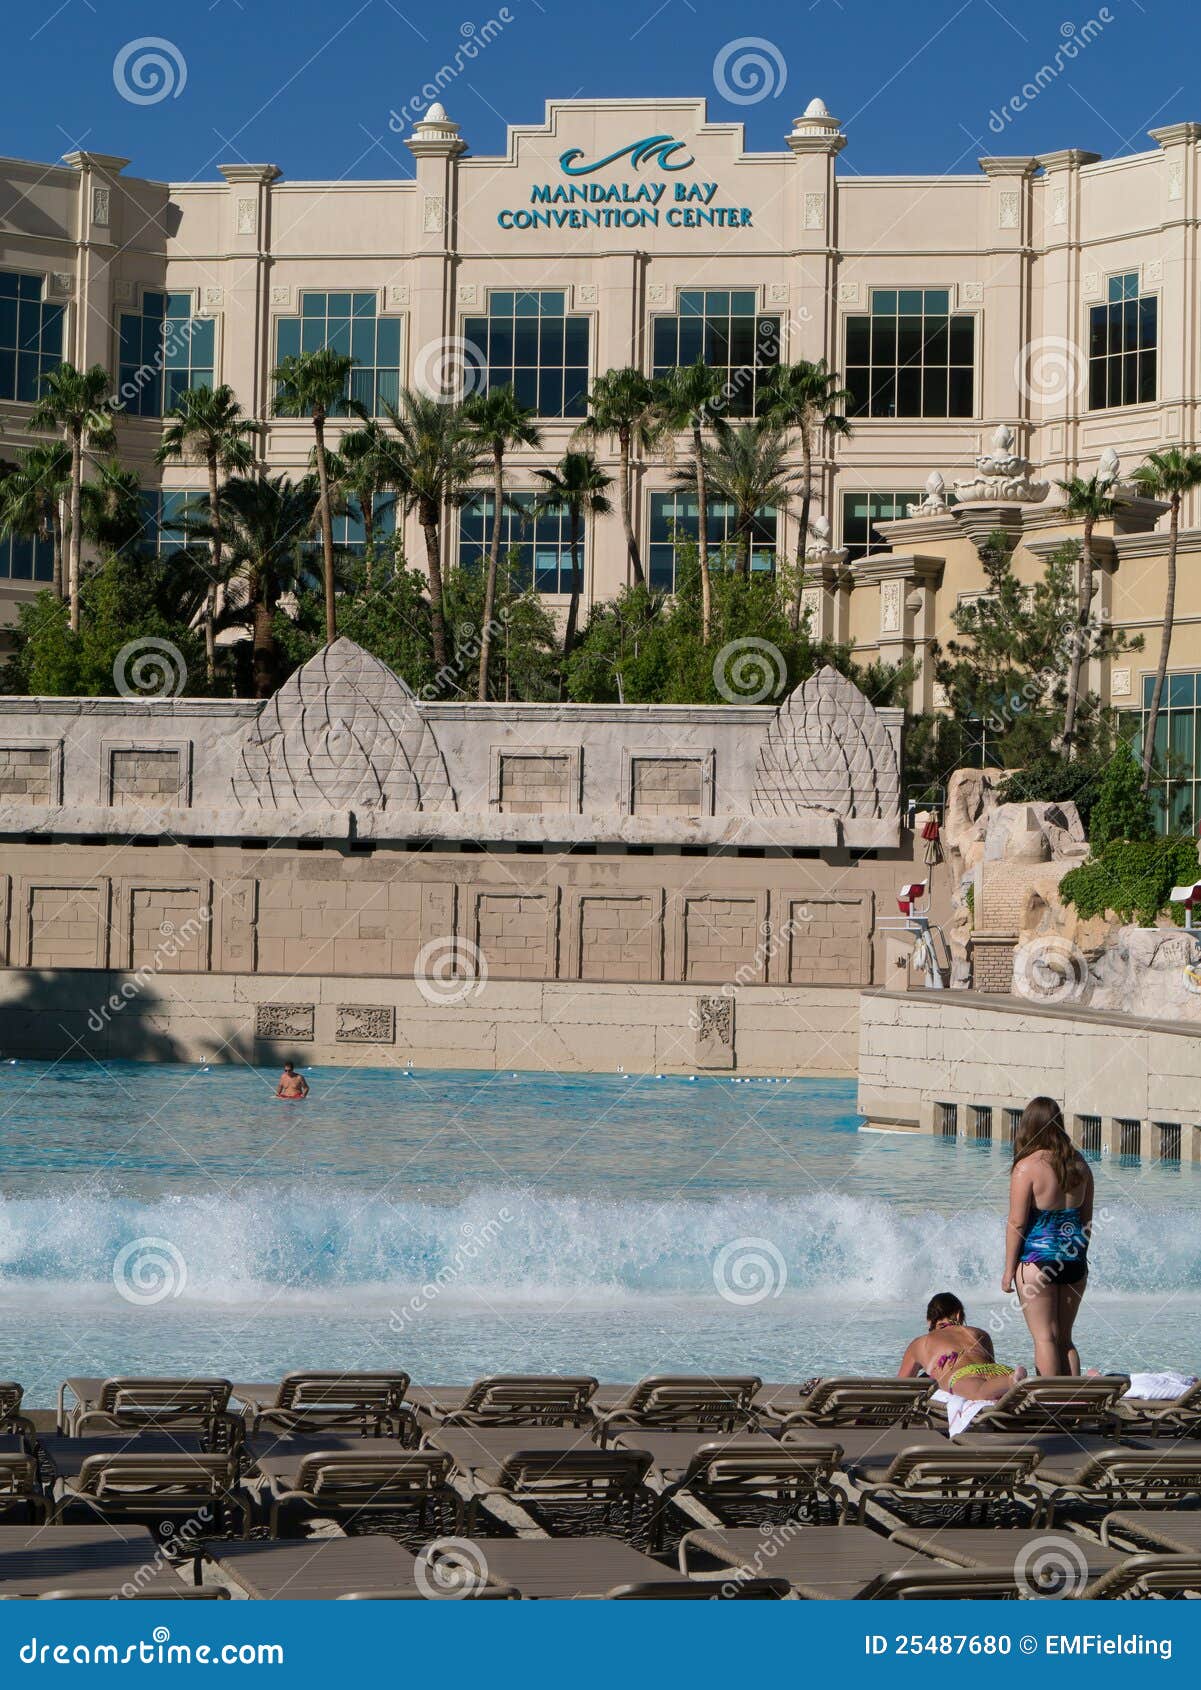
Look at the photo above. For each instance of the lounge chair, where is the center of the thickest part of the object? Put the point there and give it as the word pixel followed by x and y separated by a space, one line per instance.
pixel 11 1418
pixel 21 1489
pixel 1057 1405
pixel 685 1402
pixel 350 1484
pixel 513 1399
pixel 156 1487
pixel 94 1561
pixel 1145 1417
pixel 1178 1531
pixel 126 1404
pixel 693 1590
pixel 1164 1576
pixel 541 1480
pixel 557 1569
pixel 857 1402
pixel 366 1403
pixel 820 1563
pixel 944 1584
pixel 1146 1478
pixel 308 1569
pixel 1047 1565
pixel 159 1592
pixel 950 1484
pixel 741 1483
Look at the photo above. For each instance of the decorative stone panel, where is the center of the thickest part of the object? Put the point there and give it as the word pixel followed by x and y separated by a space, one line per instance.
pixel 145 774
pixel 64 925
pixel 724 939
pixel 825 941
pixel 667 786
pixel 365 1024
pixel 31 772
pixel 827 749
pixel 290 1023
pixel 619 936
pixel 514 933
pixel 714 1024
pixel 536 783
pixel 169 929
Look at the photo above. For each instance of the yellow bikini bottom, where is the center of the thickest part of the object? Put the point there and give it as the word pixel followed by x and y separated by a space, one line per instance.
pixel 979 1370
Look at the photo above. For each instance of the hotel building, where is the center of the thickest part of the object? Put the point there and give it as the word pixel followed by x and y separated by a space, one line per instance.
pixel 1053 296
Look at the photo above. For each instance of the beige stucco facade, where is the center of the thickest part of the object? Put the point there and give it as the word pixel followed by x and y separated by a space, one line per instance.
pixel 1026 247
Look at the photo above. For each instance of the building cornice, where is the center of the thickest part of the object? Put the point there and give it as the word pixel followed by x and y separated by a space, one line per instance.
pixel 921 567
pixel 1174 134
pixel 1070 158
pixel 109 163
pixel 1016 166
pixel 250 172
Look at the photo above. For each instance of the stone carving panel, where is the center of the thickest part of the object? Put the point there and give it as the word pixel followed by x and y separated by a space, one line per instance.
pixel 289 1022
pixel 827 749
pixel 714 1023
pixel 365 1024
pixel 342 733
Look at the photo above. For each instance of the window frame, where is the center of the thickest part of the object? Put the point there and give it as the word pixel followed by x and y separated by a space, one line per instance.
pixel 758 546
pixel 1108 358
pixel 762 314
pixel 44 304
pixel 137 308
pixel 570 311
pixel 955 308
pixel 380 315
pixel 483 495
pixel 898 495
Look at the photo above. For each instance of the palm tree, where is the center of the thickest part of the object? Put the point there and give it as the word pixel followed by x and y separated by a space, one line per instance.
pixel 685 398
pixel 500 422
pixel 806 397
pixel 31 499
pixel 208 424
pixel 1166 475
pixel 81 404
pixel 621 407
pixel 437 455
pixel 365 468
pixel 312 384
pixel 1089 502
pixel 265 524
pixel 111 509
pixel 746 466
pixel 576 485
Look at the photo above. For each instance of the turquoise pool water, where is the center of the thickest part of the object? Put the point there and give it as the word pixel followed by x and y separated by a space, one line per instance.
pixel 167 1218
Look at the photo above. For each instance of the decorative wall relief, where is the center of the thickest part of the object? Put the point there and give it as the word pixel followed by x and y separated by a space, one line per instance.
pixel 827 749
pixel 714 1025
pixel 288 1022
pixel 365 1024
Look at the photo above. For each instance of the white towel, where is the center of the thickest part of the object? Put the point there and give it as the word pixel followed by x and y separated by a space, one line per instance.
pixel 1159 1387
pixel 961 1411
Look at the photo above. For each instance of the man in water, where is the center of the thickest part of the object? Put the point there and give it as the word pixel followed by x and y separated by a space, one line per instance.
pixel 291 1084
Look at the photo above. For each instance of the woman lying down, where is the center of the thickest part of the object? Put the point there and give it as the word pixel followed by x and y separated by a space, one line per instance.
pixel 957 1356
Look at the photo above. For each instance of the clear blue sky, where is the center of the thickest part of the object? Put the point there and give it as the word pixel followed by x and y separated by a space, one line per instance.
pixel 310 84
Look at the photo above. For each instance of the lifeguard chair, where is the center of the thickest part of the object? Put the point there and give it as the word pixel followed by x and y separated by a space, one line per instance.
pixel 1190 897
pixel 931 954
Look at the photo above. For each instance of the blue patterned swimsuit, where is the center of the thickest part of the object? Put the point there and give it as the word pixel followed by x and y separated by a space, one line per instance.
pixel 1057 1244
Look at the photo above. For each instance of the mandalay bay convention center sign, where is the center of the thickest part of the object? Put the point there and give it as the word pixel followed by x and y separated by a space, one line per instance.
pixel 590 199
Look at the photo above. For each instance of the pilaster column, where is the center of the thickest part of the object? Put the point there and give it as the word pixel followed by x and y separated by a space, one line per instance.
pixel 100 210
pixel 1006 250
pixel 907 586
pixel 1054 388
pixel 246 333
pixel 1180 250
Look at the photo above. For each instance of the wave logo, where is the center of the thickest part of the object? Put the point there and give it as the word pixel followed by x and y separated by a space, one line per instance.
pixel 1051 1568
pixel 749 1270
pixel 449 1569
pixel 658 148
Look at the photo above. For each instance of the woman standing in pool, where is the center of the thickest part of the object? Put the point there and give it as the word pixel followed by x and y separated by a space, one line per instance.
pixel 1047 1234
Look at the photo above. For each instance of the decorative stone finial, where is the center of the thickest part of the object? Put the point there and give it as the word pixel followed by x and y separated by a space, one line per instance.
pixel 822 550
pixel 816 131
pixel 435 113
pixel 817 108
pixel 1109 468
pixel 1002 476
pixel 435 132
pixel 935 501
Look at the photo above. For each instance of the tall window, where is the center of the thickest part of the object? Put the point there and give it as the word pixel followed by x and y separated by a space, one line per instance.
pixel 349 532
pixel 1122 346
pixel 31 337
pixel 674 520
pixel 528 339
pixel 541 541
pixel 165 349
pixel 911 357
pixel 860 514
pixel 1176 794
pixel 165 524
pixel 349 324
pixel 26 560
pixel 722 326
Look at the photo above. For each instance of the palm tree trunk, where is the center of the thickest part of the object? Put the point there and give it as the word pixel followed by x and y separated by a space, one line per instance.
pixel 1165 644
pixel 56 543
pixel 433 559
pixel 264 643
pixel 368 504
pixel 1083 610
pixel 802 545
pixel 210 598
pixel 327 531
pixel 746 523
pixel 627 523
pixel 573 605
pixel 498 494
pixel 75 547
pixel 702 535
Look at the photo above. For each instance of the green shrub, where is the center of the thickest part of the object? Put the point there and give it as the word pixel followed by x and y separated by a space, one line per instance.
pixel 1122 809
pixel 1132 878
pixel 1050 779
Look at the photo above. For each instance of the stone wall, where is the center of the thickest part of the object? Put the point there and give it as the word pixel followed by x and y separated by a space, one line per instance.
pixel 929 1060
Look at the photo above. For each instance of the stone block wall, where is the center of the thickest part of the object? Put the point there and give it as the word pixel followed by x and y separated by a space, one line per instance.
pixel 144 776
pixel 26 774
pixel 533 785
pixel 666 786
